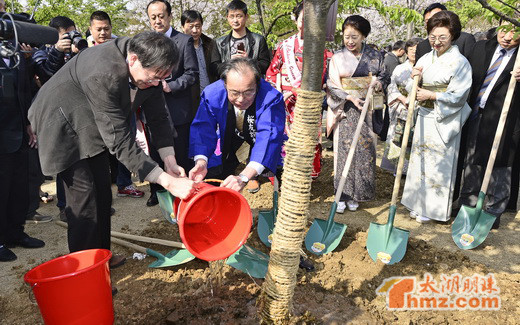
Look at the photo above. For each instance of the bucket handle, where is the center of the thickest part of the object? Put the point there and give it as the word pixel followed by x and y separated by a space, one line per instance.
pixel 32 298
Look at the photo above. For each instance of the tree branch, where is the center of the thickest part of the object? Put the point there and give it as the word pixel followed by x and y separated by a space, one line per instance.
pixel 271 25
pixel 486 5
pixel 508 5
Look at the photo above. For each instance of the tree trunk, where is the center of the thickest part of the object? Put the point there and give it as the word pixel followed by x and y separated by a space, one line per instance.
pixel 278 289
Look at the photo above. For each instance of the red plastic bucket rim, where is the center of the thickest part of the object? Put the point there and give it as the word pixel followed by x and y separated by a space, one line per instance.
pixel 208 190
pixel 27 278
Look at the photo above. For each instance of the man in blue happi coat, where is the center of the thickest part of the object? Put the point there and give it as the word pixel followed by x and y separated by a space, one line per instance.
pixel 248 115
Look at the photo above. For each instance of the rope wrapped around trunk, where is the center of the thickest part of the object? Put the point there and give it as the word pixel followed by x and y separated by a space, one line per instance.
pixel 291 222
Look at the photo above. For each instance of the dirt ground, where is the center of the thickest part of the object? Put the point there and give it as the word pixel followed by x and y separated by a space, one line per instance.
pixel 341 290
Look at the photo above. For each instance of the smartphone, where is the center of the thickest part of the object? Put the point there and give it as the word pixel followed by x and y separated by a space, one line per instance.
pixel 241 46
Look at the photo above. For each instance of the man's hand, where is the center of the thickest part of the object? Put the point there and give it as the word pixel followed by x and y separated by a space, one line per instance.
pixel 178 186
pixel 26 50
pixel 165 87
pixel 378 86
pixel 234 183
pixel 33 143
pixel 63 45
pixel 171 167
pixel 200 170
pixel 516 74
pixel 239 54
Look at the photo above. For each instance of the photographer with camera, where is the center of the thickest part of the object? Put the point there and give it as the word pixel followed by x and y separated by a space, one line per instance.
pixel 49 59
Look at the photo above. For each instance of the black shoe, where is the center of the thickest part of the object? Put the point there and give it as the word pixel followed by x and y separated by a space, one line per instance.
pixel 26 242
pixel 152 200
pixel 306 264
pixel 114 291
pixel 112 211
pixel 6 255
pixel 38 218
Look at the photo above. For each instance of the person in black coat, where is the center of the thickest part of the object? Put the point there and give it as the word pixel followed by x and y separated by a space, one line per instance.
pixel 465 41
pixel 486 99
pixel 105 85
pixel 177 87
pixel 16 137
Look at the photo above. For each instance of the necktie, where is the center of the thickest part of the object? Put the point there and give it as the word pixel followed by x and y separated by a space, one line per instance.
pixel 240 120
pixel 489 75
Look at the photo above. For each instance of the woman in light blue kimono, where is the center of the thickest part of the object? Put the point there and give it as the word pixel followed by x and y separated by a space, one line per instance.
pixel 442 111
pixel 350 74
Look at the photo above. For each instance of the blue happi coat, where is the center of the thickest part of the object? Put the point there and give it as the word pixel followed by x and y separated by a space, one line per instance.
pixel 212 114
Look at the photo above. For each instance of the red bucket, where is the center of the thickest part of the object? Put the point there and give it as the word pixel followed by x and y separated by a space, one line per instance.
pixel 214 222
pixel 74 289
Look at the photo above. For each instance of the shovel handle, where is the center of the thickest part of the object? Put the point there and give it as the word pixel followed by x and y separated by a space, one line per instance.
pixel 149 240
pixel 130 245
pixel 404 143
pixel 353 146
pixel 500 127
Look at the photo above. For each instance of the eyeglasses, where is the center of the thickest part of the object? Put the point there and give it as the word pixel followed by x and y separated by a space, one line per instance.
pixel 246 93
pixel 442 38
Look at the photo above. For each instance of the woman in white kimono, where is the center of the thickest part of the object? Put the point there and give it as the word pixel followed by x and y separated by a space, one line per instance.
pixel 442 111
pixel 398 108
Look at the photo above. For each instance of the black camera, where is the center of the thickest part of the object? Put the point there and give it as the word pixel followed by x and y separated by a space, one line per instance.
pixel 77 40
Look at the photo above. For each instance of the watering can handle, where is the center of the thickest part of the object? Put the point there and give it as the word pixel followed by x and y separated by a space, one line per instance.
pixel 213 180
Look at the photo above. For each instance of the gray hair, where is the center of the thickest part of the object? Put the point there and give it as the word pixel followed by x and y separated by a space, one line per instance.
pixel 154 50
pixel 240 65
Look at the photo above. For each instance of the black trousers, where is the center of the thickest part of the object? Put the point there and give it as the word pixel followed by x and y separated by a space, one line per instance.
pixel 89 197
pixel 14 190
pixel 36 180
pixel 499 189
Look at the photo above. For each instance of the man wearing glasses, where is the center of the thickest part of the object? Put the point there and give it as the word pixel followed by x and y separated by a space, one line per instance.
pixel 85 110
pixel 248 112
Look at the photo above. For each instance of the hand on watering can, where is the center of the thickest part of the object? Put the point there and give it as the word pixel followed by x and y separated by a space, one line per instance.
pixel 199 171
pixel 180 187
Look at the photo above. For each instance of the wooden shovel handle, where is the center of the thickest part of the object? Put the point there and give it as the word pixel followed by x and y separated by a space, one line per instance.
pixel 404 143
pixel 352 149
pixel 149 240
pixel 500 128
pixel 130 245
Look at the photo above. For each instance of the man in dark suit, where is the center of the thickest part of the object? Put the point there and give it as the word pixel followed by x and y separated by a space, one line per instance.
pixel 492 62
pixel 15 138
pixel 177 87
pixel 465 41
pixel 102 87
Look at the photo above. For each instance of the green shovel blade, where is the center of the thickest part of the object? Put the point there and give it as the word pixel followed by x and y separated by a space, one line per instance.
pixel 387 243
pixel 265 226
pixel 325 235
pixel 250 261
pixel 266 221
pixel 175 257
pixel 166 204
pixel 472 225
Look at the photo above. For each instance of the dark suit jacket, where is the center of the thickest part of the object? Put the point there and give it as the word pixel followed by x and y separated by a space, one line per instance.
pixel 480 60
pixel 465 43
pixel 13 116
pixel 183 77
pixel 207 47
pixel 258 51
pixel 85 109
